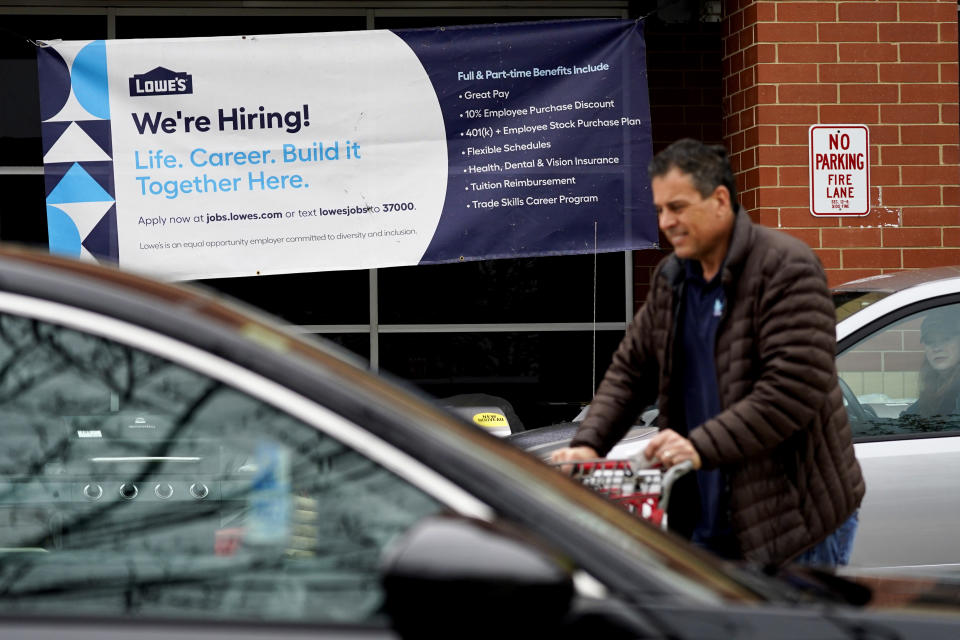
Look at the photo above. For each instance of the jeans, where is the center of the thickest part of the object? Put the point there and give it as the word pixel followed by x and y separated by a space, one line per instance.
pixel 835 549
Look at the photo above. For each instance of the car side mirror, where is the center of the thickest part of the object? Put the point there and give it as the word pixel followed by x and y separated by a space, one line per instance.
pixel 449 575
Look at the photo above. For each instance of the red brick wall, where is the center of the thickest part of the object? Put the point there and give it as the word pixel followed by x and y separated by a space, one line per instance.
pixel 684 81
pixel 887 64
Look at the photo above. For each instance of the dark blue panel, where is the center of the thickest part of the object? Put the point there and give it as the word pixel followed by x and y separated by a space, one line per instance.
pixel 51 132
pixel 54 82
pixel 99 132
pixel 102 240
pixel 532 102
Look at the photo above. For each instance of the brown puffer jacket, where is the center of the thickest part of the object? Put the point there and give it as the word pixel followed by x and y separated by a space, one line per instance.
pixel 782 435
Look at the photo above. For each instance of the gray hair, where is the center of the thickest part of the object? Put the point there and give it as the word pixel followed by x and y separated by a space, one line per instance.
pixel 707 165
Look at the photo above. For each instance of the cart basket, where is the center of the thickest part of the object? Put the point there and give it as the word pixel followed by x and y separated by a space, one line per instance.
pixel 642 489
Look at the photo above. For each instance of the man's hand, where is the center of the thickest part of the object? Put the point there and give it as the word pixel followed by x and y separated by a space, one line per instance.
pixel 671 448
pixel 572 454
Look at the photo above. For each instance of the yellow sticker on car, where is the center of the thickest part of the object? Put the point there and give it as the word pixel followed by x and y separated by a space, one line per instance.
pixel 490 420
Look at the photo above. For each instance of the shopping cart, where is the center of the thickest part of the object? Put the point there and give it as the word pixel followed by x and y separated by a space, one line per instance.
pixel 641 487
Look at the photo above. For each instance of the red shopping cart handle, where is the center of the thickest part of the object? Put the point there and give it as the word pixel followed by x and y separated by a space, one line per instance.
pixel 604 465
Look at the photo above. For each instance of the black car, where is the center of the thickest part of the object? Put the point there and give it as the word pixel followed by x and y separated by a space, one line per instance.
pixel 173 466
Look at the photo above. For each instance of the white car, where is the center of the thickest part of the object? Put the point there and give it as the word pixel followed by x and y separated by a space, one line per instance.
pixel 911 464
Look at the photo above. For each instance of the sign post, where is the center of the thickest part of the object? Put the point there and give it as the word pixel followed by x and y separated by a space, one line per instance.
pixel 839 170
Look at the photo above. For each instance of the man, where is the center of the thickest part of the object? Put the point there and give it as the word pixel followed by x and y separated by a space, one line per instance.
pixel 736 342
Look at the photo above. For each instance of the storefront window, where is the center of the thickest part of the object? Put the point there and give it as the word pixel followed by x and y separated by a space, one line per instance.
pixel 405 320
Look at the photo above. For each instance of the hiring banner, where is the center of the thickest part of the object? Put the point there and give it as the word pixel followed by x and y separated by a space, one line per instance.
pixel 234 156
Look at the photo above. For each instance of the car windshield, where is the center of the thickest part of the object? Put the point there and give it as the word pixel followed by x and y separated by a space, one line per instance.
pixel 848 303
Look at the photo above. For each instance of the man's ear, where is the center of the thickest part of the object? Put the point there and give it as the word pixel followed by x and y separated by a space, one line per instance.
pixel 722 194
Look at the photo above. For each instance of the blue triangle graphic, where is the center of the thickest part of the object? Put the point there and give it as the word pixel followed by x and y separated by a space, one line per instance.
pixel 77 186
pixel 102 172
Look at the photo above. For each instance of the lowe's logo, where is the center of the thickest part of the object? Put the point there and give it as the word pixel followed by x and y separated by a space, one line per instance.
pixel 161 82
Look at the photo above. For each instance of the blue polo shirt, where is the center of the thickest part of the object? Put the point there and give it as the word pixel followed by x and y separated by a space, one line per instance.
pixel 703 307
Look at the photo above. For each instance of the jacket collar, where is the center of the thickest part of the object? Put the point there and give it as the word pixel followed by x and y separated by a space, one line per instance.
pixel 741 238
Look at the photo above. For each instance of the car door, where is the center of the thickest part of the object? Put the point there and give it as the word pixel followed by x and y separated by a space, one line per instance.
pixel 909 457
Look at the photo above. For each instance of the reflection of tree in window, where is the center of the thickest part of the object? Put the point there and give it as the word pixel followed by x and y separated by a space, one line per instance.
pixel 149 556
pixel 47 369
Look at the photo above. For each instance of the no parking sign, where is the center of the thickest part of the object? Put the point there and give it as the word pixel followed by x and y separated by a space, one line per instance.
pixel 839 170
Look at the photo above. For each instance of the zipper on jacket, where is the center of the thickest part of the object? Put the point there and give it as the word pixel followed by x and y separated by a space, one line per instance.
pixel 678 293
pixel 724 314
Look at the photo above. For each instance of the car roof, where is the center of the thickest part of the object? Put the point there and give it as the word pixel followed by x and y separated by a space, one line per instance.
pixel 899 280
pixel 105 288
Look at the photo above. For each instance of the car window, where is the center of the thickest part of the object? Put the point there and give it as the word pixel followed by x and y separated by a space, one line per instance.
pixel 905 378
pixel 132 486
